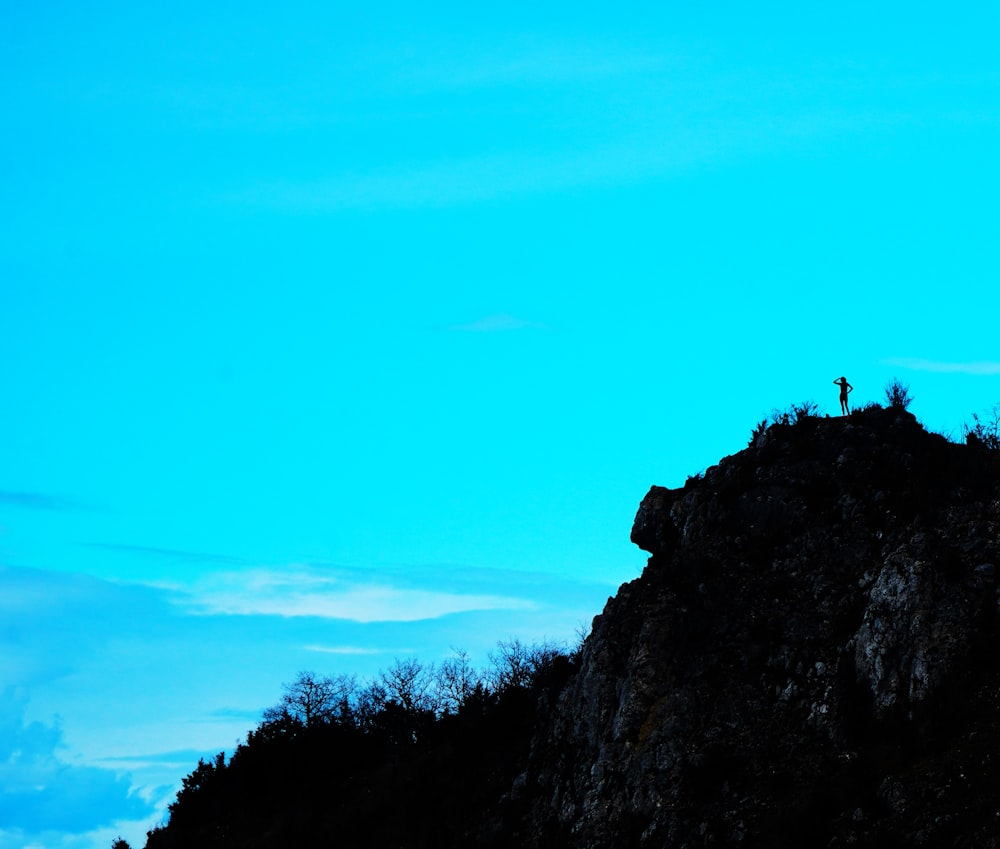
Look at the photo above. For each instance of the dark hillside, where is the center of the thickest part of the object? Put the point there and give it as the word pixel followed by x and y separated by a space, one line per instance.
pixel 809 659
pixel 398 778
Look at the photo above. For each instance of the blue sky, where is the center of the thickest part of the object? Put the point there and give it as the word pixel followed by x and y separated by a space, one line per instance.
pixel 335 333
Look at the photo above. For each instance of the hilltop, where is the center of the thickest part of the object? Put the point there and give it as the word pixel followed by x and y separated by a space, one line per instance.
pixel 808 659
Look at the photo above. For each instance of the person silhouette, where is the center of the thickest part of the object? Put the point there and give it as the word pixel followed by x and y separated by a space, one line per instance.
pixel 845 389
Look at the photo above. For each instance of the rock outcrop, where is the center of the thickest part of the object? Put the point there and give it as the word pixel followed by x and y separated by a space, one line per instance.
pixel 807 660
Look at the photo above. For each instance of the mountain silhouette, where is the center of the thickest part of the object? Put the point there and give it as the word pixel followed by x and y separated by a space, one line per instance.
pixel 807 660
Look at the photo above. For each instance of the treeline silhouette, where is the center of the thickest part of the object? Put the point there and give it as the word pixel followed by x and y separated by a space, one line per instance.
pixel 421 756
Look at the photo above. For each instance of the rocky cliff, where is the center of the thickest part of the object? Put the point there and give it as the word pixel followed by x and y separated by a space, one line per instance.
pixel 808 659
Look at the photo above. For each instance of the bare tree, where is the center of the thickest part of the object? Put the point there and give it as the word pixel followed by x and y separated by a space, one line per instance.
pixel 512 665
pixel 312 700
pixel 371 701
pixel 517 665
pixel 409 684
pixel 985 432
pixel 456 680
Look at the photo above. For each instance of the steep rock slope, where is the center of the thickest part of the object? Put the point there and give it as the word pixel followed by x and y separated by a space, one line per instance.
pixel 808 659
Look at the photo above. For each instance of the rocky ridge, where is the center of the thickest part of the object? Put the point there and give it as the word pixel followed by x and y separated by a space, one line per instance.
pixel 808 659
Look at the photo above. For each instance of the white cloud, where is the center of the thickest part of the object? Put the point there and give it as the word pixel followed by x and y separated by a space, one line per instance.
pixel 40 608
pixel 37 501
pixel 497 324
pixel 662 151
pixel 481 178
pixel 308 592
pixel 524 63
pixel 981 367
pixel 40 792
pixel 131 671
pixel 343 650
pixel 164 553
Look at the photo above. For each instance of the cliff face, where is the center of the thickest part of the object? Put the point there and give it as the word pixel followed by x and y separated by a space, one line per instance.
pixel 808 659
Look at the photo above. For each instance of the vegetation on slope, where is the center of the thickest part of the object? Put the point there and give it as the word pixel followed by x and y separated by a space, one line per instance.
pixel 451 757
pixel 417 758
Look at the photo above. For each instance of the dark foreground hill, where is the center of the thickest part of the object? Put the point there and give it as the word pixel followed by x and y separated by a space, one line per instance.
pixel 809 659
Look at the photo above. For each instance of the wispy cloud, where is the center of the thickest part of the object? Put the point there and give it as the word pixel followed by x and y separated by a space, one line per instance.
pixel 37 501
pixel 166 553
pixel 42 792
pixel 474 179
pixel 980 367
pixel 306 592
pixel 176 757
pixel 226 714
pixel 524 62
pixel 344 650
pixel 497 324
pixel 112 649
pixel 39 608
pixel 664 151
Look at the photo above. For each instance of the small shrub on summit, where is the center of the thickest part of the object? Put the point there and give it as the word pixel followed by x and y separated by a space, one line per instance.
pixel 759 429
pixel 897 394
pixel 984 432
pixel 805 410
pixel 795 413
pixel 789 416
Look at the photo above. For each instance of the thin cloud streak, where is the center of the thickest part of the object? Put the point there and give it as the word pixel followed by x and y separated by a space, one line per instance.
pixel 666 152
pixel 982 367
pixel 41 791
pixel 165 553
pixel 174 758
pixel 497 324
pixel 304 594
pixel 37 501
pixel 458 67
pixel 344 650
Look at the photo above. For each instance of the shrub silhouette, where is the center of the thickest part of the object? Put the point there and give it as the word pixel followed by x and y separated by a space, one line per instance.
pixel 456 681
pixel 897 394
pixel 410 760
pixel 984 432
pixel 311 700
pixel 791 415
pixel 795 413
pixel 410 684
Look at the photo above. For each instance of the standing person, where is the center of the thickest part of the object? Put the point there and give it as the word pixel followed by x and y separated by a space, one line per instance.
pixel 845 390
